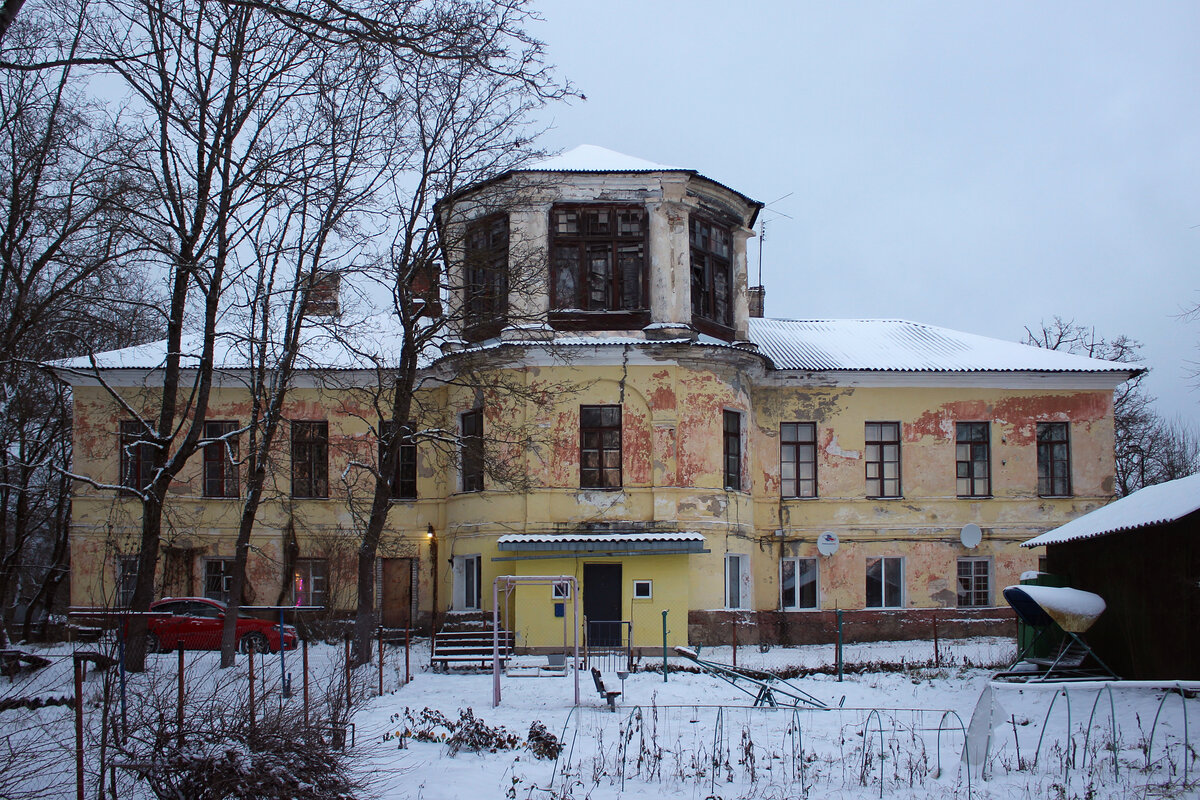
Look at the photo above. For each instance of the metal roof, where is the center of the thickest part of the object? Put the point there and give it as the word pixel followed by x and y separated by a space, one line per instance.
pixel 681 541
pixel 899 346
pixel 1154 505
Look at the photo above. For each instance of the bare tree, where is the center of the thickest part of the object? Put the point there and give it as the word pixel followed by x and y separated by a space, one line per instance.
pixel 1147 448
pixel 62 253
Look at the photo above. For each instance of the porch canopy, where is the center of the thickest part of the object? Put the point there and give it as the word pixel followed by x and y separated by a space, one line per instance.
pixel 613 542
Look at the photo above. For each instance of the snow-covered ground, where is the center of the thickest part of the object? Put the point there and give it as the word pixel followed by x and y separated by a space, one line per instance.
pixel 695 736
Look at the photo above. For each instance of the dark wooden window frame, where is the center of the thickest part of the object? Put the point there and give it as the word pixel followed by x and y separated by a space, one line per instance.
pixel 1054 459
pixel 801 438
pixel 876 460
pixel 223 576
pixel 135 459
pixel 471 450
pixel 731 451
pixel 311 594
pixel 485 276
pixel 310 459
pixel 599 446
pixel 220 474
pixel 888 566
pixel 973 456
pixel 974 588
pixel 625 304
pixel 711 314
pixel 404 471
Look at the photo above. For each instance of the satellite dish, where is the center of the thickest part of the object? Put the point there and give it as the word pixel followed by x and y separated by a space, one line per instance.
pixel 971 535
pixel 827 543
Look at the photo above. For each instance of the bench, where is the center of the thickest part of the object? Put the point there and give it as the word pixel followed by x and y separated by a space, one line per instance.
pixel 609 697
pixel 13 661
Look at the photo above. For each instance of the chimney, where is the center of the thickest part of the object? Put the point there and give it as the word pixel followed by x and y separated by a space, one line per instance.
pixel 758 298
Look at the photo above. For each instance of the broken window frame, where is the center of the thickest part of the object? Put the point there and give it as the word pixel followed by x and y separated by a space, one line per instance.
pixel 136 456
pixel 973 588
pixel 711 266
pixel 882 450
pixel 625 289
pixel 973 459
pixel 220 471
pixel 797 450
pixel 1054 459
pixel 600 442
pixel 310 459
pixel 485 276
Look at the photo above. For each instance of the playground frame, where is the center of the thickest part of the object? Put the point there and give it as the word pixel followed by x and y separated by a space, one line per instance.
pixel 509 583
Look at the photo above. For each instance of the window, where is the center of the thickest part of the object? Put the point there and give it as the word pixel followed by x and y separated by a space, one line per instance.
pixel 1053 460
pixel 973 459
pixel 737 581
pixel 404 471
pixel 310 459
pixel 797 583
pixel 798 459
pixel 598 257
pixel 883 459
pixel 643 590
pixel 471 451
pixel 712 277
pixel 137 457
pixel 220 457
pixel 218 578
pixel 127 570
pixel 885 583
pixel 468 577
pixel 600 447
pixel 974 582
pixel 323 294
pixel 310 582
pixel 733 450
pixel 485 274
pixel 560 590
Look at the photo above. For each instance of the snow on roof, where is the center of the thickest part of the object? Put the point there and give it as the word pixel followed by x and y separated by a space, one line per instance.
pixel 813 345
pixel 900 346
pixel 591 158
pixel 645 536
pixel 1154 505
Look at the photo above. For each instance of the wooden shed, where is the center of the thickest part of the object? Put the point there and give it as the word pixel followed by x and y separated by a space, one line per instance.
pixel 1142 555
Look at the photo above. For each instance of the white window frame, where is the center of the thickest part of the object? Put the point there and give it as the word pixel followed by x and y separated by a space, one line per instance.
pixel 560 591
pixel 990 580
pixel 648 585
pixel 737 581
pixel 795 561
pixel 315 584
pixel 896 562
pixel 468 574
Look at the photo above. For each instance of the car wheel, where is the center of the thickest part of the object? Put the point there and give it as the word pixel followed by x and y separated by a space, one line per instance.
pixel 254 642
pixel 153 645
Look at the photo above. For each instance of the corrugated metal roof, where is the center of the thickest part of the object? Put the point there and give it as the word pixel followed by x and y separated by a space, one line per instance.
pixel 901 346
pixel 594 542
pixel 1154 505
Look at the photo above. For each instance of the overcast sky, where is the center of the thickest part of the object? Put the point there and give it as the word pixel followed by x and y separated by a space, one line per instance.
pixel 977 166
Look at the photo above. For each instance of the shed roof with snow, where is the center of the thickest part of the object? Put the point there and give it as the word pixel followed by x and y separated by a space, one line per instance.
pixel 1154 505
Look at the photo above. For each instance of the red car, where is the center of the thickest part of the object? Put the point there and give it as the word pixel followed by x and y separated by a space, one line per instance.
pixel 194 623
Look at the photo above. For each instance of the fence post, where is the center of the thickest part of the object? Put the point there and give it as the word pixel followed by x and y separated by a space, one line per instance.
pixel 285 689
pixel 304 666
pixel 250 655
pixel 937 657
pixel 664 613
pixel 733 624
pixel 839 645
pixel 179 701
pixel 348 698
pixel 380 660
pixel 77 663
pixel 407 674
pixel 124 705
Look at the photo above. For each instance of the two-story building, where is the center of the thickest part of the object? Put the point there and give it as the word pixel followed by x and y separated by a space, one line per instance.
pixel 689 455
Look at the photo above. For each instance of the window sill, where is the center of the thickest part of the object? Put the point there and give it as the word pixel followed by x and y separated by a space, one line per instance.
pixel 407 500
pixel 601 488
pixel 976 496
pixel 599 320
pixel 806 610
pixel 1056 496
pixel 297 497
pixel 807 497
pixel 887 497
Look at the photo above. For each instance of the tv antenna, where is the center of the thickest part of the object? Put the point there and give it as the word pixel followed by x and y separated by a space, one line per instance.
pixel 762 229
